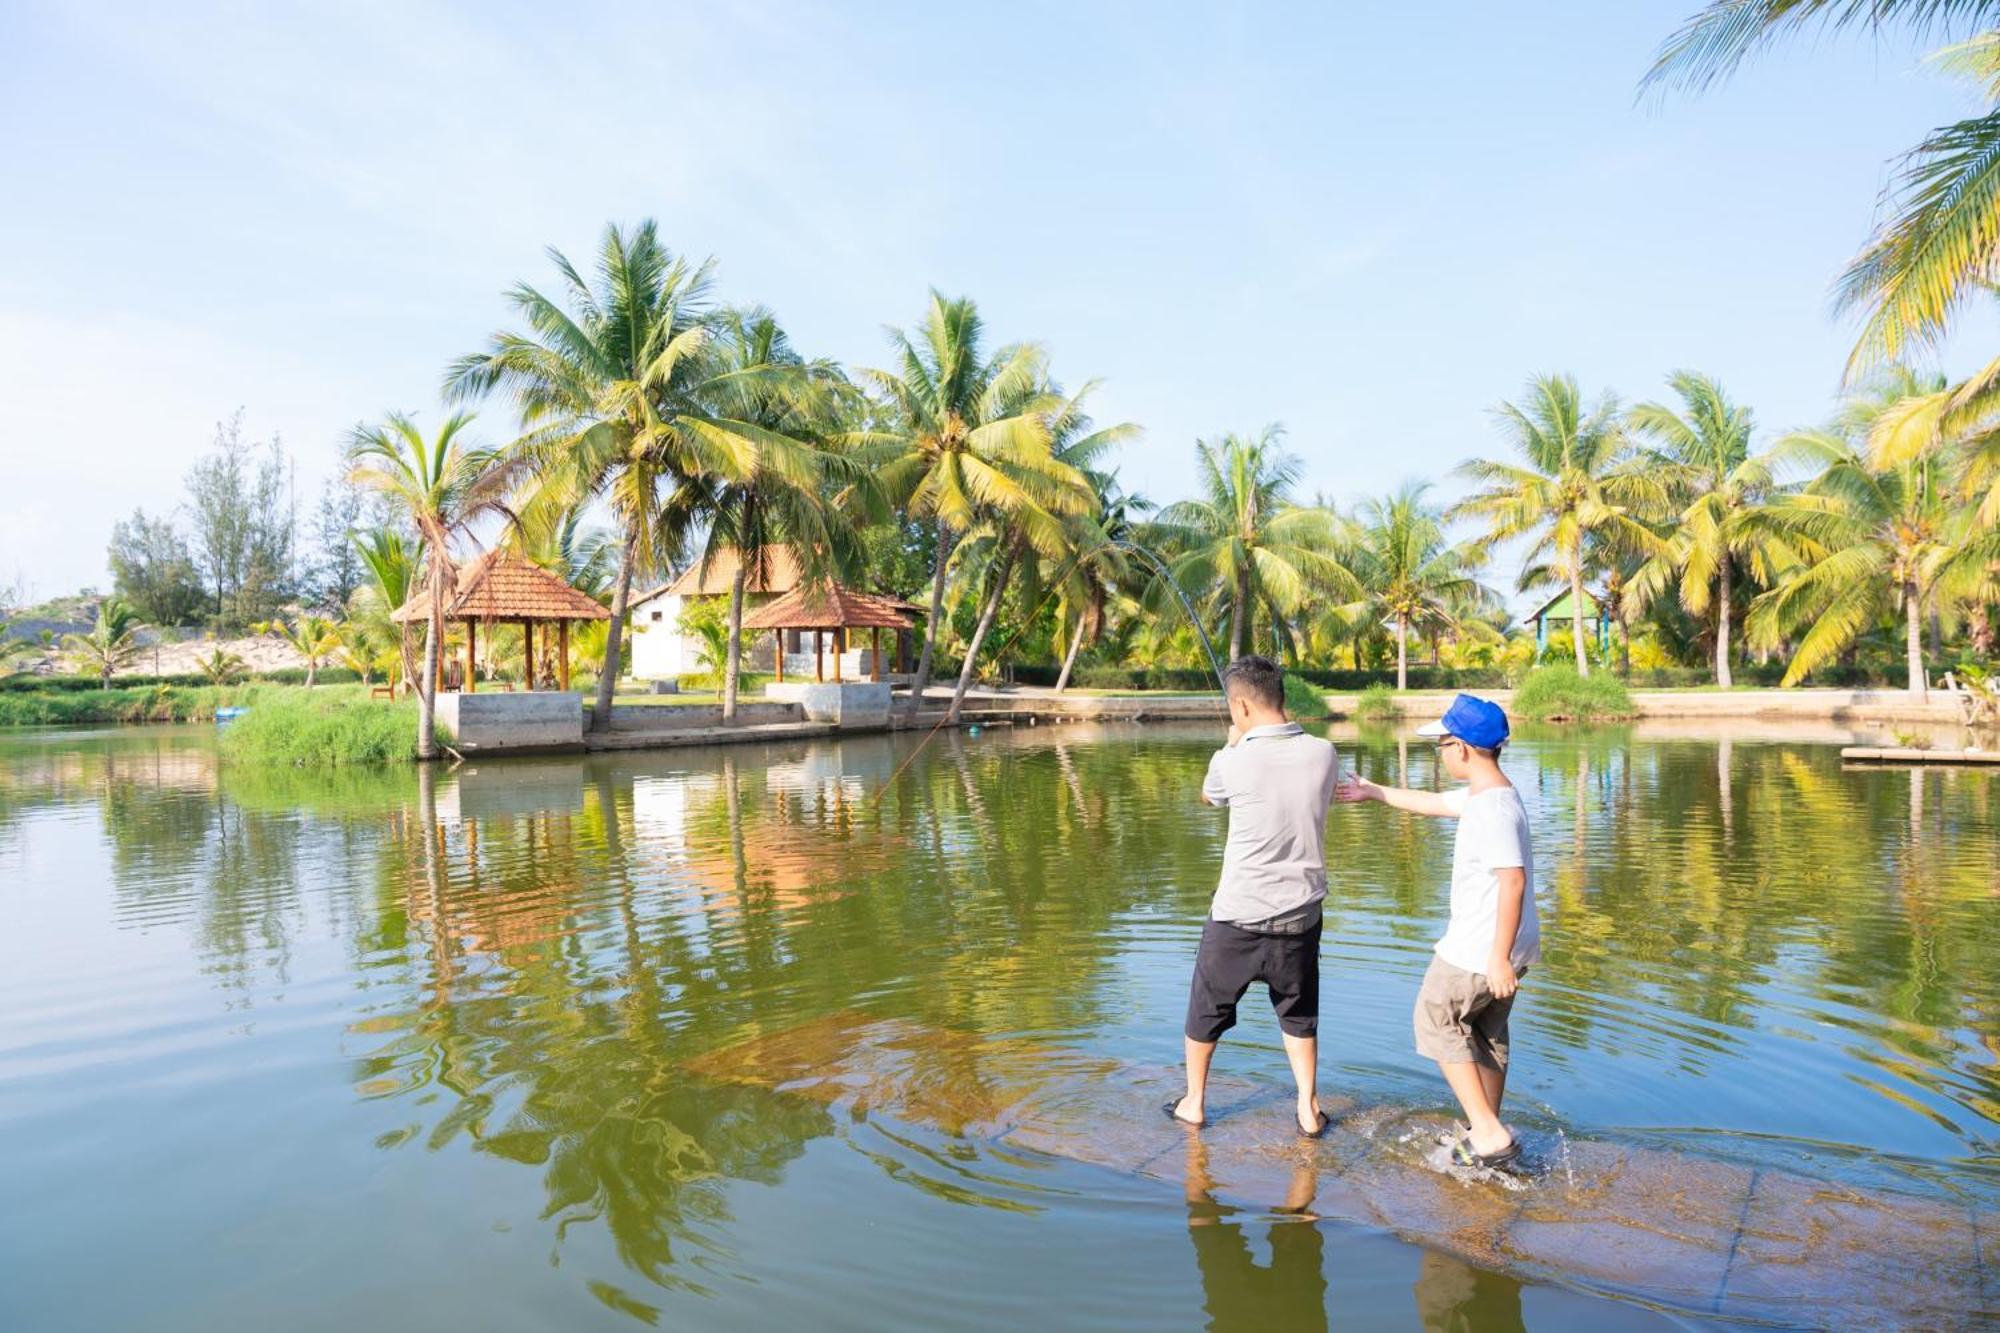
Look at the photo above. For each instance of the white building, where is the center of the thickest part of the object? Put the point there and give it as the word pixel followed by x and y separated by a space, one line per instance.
pixel 661 651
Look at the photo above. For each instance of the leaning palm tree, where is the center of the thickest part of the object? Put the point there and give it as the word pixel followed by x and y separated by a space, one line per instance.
pixel 314 638
pixel 616 385
pixel 1939 241
pixel 1101 567
pixel 1872 540
pixel 1571 483
pixel 967 438
pixel 441 485
pixel 780 503
pixel 1065 489
pixel 112 643
pixel 1702 453
pixel 1415 577
pixel 1245 547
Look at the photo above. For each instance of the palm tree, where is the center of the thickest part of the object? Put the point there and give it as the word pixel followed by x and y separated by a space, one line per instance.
pixel 1703 455
pixel 1939 241
pixel 315 638
pixel 112 643
pixel 1244 546
pixel 967 437
pixel 392 578
pixel 1065 488
pixel 1100 568
pixel 441 485
pixel 1870 536
pixel 1412 574
pixel 1569 485
pixel 780 502
pixel 12 647
pixel 222 667
pixel 616 387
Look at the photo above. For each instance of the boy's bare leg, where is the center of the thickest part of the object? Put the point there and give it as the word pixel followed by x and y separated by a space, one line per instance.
pixel 1303 1052
pixel 1468 1084
pixel 1191 1108
pixel 1495 1082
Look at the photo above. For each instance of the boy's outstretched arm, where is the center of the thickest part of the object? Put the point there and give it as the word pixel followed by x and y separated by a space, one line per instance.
pixel 1353 790
pixel 1500 978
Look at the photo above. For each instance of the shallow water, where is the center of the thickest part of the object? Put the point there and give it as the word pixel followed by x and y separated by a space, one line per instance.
pixel 728 1039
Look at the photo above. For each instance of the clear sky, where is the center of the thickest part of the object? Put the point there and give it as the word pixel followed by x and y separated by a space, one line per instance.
pixel 1370 226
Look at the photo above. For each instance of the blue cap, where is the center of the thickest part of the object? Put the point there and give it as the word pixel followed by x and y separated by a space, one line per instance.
pixel 1477 722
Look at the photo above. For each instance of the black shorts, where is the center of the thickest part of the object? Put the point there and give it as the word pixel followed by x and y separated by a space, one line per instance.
pixel 1231 958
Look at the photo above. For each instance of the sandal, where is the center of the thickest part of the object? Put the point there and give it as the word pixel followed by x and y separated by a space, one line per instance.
pixel 1175 1116
pixel 1462 1153
pixel 1325 1121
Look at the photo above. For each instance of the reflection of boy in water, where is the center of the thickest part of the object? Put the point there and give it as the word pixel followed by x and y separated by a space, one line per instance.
pixel 1462 1009
pixel 1237 1294
pixel 1264 921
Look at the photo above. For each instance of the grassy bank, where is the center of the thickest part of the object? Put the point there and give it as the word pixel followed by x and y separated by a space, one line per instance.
pixel 149 703
pixel 1558 694
pixel 323 729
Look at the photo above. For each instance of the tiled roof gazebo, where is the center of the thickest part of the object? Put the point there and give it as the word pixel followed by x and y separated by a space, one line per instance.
pixel 500 586
pixel 830 607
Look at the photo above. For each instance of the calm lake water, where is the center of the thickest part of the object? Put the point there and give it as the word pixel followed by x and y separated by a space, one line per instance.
pixel 733 1039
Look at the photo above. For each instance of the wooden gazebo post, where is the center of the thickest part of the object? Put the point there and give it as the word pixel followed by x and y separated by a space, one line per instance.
pixel 839 638
pixel 471 640
pixel 779 654
pixel 528 650
pixel 562 650
pixel 875 654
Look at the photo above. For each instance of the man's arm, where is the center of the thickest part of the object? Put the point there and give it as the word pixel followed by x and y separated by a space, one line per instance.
pixel 1500 979
pixel 1354 790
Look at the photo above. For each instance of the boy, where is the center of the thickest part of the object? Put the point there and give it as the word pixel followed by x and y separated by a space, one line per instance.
pixel 1462 1008
pixel 1264 921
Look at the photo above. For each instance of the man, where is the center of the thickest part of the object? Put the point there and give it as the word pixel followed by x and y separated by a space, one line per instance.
pixel 1493 935
pixel 1264 921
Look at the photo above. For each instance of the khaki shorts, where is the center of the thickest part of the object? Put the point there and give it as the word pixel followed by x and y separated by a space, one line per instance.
pixel 1457 1019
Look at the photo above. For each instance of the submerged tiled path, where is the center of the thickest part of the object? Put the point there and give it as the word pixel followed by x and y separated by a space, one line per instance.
pixel 1689 1233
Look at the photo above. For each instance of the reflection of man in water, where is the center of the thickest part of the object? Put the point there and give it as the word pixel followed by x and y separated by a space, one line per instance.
pixel 1455 1297
pixel 1291 1293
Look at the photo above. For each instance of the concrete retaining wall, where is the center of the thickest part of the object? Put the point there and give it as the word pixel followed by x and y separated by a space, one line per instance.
pixel 502 723
pixel 674 717
pixel 856 704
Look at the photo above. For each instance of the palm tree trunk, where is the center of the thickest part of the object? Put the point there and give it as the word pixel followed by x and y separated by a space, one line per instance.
pixel 934 627
pixel 1722 677
pixel 1576 616
pixel 1913 607
pixel 427 687
pixel 733 658
pixel 1239 627
pixel 614 637
pixel 1981 628
pixel 986 615
pixel 1069 658
pixel 1402 653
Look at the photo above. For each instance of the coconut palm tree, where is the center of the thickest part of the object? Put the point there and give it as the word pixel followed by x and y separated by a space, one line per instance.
pixel 392 578
pixel 1245 546
pixel 616 385
pixel 440 485
pixel 1870 538
pixel 13 647
pixel 1939 241
pixel 1571 483
pixel 967 437
pixel 314 638
pixel 781 503
pixel 112 643
pixel 1100 569
pixel 1413 575
pixel 1065 488
pixel 1702 453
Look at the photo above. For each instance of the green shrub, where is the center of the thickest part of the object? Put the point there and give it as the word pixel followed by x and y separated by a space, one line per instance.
pixel 1303 698
pixel 323 728
pixel 1377 704
pixel 1558 694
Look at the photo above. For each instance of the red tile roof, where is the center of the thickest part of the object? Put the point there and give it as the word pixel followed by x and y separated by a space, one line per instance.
pixel 500 585
pixel 828 607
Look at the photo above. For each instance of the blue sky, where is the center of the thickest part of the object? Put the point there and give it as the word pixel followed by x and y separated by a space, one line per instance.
pixel 1368 226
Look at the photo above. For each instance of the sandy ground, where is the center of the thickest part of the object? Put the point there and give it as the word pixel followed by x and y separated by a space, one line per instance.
pixel 259 653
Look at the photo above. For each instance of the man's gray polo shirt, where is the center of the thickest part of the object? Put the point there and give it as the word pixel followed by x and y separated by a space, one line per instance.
pixel 1277 782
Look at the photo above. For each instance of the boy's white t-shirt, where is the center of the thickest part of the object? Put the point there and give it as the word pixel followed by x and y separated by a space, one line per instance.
pixel 1492 835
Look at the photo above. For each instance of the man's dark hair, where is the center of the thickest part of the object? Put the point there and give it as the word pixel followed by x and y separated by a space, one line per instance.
pixel 1257 677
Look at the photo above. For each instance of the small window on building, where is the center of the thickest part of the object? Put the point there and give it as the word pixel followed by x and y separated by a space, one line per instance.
pixel 656 615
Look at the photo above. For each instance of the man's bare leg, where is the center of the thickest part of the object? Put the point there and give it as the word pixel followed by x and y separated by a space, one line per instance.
pixel 1468 1084
pixel 1303 1052
pixel 1192 1108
